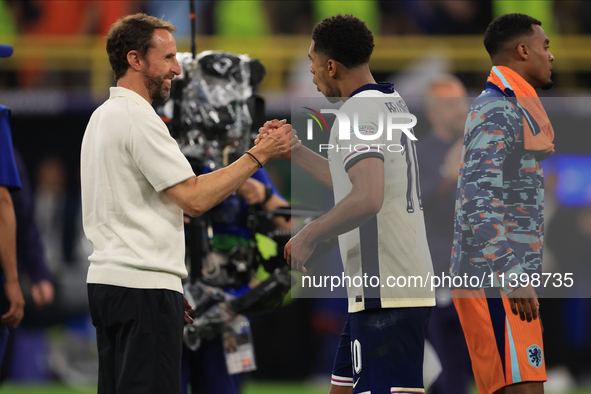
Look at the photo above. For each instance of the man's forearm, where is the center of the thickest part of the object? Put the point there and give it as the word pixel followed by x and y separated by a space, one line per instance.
pixel 198 195
pixel 350 213
pixel 363 201
pixel 7 236
pixel 314 164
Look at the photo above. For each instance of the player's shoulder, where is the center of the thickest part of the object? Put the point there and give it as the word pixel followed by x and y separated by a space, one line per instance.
pixel 494 111
pixel 375 102
pixel 123 111
pixel 490 103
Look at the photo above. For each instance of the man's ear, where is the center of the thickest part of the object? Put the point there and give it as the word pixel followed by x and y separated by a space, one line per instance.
pixel 134 60
pixel 523 51
pixel 331 67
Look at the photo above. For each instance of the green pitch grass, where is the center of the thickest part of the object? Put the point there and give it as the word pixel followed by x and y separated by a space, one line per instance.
pixel 249 388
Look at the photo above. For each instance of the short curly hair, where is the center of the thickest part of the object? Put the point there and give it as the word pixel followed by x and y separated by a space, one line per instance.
pixel 133 32
pixel 344 38
pixel 506 28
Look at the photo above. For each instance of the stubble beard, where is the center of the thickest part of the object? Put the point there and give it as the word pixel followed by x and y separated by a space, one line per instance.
pixel 156 87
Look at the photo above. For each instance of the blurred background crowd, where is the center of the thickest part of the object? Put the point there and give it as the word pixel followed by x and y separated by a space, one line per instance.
pixel 59 74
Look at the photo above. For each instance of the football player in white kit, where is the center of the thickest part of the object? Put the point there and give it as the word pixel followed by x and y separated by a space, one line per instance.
pixel 377 216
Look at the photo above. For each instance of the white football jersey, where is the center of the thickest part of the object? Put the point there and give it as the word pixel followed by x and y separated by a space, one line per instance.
pixel 392 245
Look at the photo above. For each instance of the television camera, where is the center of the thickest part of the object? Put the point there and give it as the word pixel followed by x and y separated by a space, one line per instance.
pixel 211 113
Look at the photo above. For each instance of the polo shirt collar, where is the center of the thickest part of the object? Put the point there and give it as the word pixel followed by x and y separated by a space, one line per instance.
pixel 118 91
pixel 384 87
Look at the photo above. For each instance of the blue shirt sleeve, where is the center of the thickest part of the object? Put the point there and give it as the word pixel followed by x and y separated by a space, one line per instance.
pixel 8 171
pixel 262 176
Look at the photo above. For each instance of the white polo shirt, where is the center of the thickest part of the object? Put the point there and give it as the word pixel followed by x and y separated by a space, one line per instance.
pixel 128 158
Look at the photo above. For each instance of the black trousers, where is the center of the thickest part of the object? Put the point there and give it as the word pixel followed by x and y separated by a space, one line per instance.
pixel 139 339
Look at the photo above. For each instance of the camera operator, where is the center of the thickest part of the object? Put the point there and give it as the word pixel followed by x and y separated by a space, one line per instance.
pixel 205 368
pixel 211 113
pixel 135 185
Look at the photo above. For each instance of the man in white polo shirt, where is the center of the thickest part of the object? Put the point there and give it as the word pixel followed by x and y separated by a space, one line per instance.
pixel 136 184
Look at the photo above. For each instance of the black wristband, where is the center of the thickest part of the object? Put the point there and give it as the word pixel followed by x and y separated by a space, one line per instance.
pixel 257 160
pixel 268 193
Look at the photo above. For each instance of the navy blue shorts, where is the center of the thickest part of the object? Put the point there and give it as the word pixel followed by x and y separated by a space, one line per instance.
pixel 381 351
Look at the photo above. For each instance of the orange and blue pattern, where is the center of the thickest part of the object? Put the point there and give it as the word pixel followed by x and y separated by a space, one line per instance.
pixel 503 349
pixel 499 219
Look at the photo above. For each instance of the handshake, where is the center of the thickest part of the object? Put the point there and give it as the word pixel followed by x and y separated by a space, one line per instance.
pixel 276 140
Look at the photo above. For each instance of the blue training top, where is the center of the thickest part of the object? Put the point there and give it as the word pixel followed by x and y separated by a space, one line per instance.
pixel 8 171
pixel 499 221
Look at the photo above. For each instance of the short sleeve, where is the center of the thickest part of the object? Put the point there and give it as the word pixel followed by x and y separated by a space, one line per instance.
pixel 157 154
pixel 8 171
pixel 361 143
